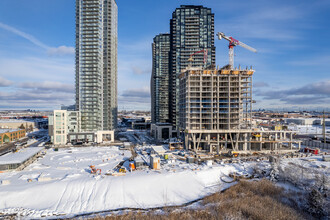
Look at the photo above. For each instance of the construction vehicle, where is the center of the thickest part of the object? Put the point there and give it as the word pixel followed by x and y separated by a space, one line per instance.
pixel 233 43
pixel 310 150
pixel 122 170
pixel 256 134
pixel 94 170
pixel 233 154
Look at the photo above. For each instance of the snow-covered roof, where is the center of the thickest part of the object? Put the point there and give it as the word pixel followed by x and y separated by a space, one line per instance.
pixel 159 149
pixel 13 121
pixel 19 157
pixel 6 130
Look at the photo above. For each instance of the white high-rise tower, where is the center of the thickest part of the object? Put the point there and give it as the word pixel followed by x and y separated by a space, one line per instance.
pixel 96 63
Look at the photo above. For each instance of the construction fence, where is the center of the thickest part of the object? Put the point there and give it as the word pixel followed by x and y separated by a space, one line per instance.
pixel 317 144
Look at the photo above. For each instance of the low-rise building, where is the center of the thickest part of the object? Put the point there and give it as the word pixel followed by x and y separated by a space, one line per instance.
pixel 163 131
pixel 65 127
pixel 300 121
pixel 9 135
pixel 22 158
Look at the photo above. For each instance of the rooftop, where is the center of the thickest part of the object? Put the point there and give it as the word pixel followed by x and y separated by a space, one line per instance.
pixel 13 121
pixel 6 130
pixel 160 149
pixel 19 157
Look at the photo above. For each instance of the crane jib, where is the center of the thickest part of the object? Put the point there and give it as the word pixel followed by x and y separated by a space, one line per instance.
pixel 234 41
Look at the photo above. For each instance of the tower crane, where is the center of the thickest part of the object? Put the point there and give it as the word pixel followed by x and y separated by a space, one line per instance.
pixel 233 43
pixel 201 51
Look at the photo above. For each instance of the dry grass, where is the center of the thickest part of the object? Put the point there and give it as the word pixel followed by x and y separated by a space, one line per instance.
pixel 246 200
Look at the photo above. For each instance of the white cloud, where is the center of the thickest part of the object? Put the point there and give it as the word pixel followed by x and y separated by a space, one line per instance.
pixel 4 82
pixel 48 85
pixel 139 92
pixel 28 37
pixel 137 98
pixel 264 23
pixel 62 50
pixel 38 69
pixel 26 98
pixel 260 84
pixel 309 94
pixel 139 71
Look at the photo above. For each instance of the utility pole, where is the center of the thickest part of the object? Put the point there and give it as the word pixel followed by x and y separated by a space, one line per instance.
pixel 324 139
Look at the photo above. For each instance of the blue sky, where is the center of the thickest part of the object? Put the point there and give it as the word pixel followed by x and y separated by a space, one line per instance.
pixel 37 39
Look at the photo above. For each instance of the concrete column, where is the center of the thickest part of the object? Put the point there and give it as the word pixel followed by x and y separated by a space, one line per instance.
pixel 194 142
pixel 291 137
pixel 226 139
pixel 237 139
pixel 245 142
pixel 275 144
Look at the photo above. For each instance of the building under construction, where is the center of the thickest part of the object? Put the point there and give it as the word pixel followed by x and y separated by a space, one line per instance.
pixel 215 108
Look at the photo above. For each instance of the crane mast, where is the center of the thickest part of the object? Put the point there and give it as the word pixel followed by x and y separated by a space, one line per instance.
pixel 233 43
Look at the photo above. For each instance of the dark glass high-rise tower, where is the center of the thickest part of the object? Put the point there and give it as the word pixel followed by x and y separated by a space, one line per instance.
pixel 191 31
pixel 96 64
pixel 159 83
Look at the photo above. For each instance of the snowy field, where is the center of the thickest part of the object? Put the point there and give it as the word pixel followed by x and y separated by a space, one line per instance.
pixel 63 185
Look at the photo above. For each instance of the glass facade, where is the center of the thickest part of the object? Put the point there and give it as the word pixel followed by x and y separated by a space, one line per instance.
pixel 191 30
pixel 96 64
pixel 159 83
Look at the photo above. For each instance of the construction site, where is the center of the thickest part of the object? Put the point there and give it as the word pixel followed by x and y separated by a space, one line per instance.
pixel 216 113
pixel 215 106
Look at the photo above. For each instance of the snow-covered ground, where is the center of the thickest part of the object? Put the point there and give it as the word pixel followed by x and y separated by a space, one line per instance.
pixel 63 185
pixel 67 187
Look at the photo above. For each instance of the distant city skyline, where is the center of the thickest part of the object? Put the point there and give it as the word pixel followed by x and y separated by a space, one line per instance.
pixel 37 40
